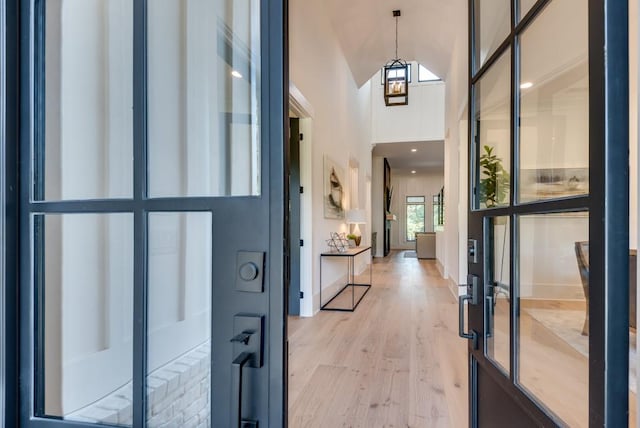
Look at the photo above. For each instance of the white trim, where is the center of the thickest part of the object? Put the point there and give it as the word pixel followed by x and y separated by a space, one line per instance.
pixel 298 103
pixel 303 109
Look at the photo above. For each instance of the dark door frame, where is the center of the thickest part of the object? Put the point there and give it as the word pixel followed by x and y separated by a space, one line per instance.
pixel 17 110
pixel 607 203
pixel 293 215
pixel 9 161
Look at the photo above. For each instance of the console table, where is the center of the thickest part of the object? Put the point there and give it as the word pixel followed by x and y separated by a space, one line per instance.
pixel 350 255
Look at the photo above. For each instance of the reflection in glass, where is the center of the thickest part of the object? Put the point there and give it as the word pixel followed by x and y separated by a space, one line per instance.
pixel 179 311
pixel 204 97
pixel 491 26
pixel 554 104
pixel 497 294
pixel 492 98
pixel 86 149
pixel 525 7
pixel 84 264
pixel 553 319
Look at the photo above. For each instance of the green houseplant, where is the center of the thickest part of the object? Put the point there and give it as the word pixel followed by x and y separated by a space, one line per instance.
pixel 494 181
pixel 355 238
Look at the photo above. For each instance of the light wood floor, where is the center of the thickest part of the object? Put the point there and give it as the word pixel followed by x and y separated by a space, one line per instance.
pixel 396 361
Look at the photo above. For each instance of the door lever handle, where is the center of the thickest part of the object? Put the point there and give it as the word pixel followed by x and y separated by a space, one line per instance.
pixel 247 353
pixel 237 367
pixel 472 335
pixel 242 337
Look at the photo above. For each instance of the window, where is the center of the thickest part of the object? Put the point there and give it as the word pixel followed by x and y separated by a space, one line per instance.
pixel 394 73
pixel 415 216
pixel 425 75
pixel 438 211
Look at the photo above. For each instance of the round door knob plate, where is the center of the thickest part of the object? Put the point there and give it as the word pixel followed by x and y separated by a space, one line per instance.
pixel 248 271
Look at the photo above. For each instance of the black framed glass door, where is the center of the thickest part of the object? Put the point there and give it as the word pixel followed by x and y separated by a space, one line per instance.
pixel 151 213
pixel 548 324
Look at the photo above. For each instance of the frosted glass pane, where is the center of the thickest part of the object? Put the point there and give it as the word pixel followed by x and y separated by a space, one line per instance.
pixel 86 149
pixel 204 97
pixel 84 265
pixel 179 323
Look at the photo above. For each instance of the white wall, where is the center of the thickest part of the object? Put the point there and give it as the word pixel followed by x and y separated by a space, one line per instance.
pixel 421 120
pixel 377 204
pixel 451 244
pixel 425 184
pixel 341 123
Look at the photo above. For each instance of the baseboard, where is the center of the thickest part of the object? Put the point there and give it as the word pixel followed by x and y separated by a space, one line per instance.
pixel 440 267
pixel 453 287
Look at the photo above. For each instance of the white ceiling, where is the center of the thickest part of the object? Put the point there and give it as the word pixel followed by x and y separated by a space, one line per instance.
pixel 429 156
pixel 427 31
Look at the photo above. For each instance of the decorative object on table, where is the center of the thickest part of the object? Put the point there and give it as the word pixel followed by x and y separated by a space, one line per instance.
pixel 333 189
pixel 356 217
pixel 494 179
pixel 546 183
pixel 354 241
pixel 338 242
pixel 396 76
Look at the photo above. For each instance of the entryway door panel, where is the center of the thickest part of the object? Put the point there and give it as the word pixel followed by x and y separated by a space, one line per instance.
pixel 152 254
pixel 548 325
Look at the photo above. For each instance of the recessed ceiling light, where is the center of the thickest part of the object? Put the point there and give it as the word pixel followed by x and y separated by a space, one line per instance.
pixel 236 74
pixel 414 150
pixel 413 172
pixel 526 85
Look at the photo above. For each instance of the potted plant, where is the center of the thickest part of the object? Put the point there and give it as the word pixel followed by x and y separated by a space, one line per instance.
pixel 354 240
pixel 494 184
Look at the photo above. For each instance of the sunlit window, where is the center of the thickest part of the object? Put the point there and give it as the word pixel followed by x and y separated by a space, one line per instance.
pixel 415 216
pixel 425 75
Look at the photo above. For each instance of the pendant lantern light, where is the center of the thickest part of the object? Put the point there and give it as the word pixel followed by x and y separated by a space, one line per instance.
pixel 396 77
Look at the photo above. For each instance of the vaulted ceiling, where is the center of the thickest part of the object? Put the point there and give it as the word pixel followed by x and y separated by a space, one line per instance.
pixel 427 31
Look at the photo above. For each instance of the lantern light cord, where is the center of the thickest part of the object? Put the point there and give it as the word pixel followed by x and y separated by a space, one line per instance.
pixel 396 37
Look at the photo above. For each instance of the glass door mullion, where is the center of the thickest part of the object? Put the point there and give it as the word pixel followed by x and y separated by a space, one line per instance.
pixel 140 318
pixel 140 314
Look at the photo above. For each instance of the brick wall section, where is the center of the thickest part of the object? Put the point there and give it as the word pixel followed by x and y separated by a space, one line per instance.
pixel 178 396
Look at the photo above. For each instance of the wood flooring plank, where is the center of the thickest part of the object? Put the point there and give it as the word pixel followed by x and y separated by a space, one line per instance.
pixel 312 404
pixel 384 364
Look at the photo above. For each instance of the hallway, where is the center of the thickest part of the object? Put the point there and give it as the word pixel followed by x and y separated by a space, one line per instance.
pixel 396 361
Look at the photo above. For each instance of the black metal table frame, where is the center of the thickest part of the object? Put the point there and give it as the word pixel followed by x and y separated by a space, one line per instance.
pixel 351 256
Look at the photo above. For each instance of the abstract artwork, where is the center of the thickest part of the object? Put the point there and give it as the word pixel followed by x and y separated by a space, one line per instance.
pixel 333 190
pixel 553 183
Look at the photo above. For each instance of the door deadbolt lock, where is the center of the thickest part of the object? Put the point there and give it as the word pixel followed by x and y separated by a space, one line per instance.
pixel 472 289
pixel 250 271
pixel 472 251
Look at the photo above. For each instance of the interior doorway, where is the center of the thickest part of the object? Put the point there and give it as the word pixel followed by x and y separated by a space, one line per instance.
pixel 300 228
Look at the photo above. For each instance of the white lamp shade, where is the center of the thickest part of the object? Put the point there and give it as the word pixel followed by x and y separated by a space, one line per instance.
pixel 356 217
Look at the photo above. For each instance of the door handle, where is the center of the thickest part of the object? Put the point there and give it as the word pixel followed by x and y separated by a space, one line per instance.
pixel 472 335
pixel 237 366
pixel 461 332
pixel 490 314
pixel 247 346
